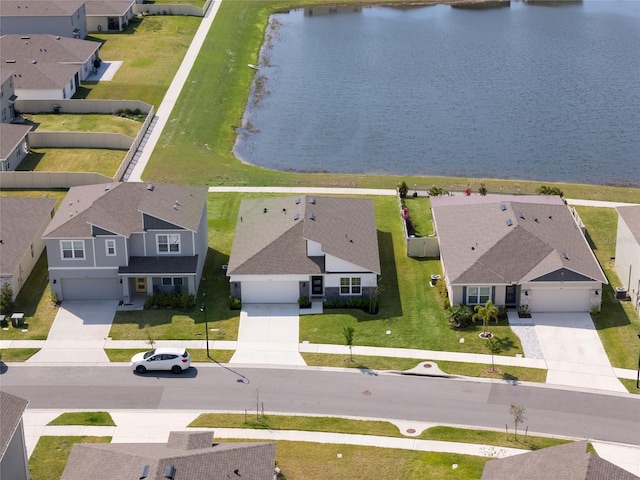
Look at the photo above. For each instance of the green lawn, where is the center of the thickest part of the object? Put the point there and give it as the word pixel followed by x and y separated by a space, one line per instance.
pixel 151 50
pixel 618 323
pixel 50 456
pixel 84 418
pixel 18 354
pixel 89 122
pixel 73 160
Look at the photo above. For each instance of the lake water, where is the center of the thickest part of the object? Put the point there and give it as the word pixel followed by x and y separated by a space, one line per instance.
pixel 528 92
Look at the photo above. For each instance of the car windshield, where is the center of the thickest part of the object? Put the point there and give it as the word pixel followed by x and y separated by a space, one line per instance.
pixel 149 353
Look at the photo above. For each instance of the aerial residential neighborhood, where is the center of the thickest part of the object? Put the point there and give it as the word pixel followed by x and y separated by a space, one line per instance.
pixel 171 311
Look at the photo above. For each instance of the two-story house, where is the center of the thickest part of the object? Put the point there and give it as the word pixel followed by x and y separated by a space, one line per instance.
pixel 119 240
pixel 14 144
pixel 66 18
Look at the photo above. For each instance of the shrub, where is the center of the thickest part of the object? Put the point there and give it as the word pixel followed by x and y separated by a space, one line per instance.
pixel 6 299
pixel 137 111
pixel 436 191
pixel 460 316
pixel 403 189
pixel 366 304
pixel 441 287
pixel 173 301
pixel 304 302
pixel 545 190
pixel 235 303
pixel 502 313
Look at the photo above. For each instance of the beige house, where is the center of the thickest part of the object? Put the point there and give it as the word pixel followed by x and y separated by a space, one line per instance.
pixel 628 251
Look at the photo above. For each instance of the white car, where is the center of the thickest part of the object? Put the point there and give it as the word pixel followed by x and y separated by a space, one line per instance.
pixel 174 359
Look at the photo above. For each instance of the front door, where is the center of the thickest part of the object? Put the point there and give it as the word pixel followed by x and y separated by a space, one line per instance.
pixel 316 286
pixel 141 284
pixel 510 295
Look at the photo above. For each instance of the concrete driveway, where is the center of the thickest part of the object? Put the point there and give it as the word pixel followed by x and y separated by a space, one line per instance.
pixel 269 334
pixel 573 352
pixel 78 333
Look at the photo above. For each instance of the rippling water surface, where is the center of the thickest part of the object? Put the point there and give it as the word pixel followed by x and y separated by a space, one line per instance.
pixel 528 92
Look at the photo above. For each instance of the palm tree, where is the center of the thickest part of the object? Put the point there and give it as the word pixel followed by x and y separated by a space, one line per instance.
pixel 485 313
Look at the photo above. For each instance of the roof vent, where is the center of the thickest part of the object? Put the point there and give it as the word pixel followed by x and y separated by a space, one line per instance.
pixel 550 217
pixel 170 472
pixel 10 61
pixel 503 207
pixel 297 200
pixel 535 219
pixel 521 215
pixel 312 200
pixel 312 216
pixel 150 187
pixel 25 37
pixel 33 62
pixel 144 473
pixel 509 222
pixel 296 216
pixel 284 210
pixel 264 210
pixel 565 256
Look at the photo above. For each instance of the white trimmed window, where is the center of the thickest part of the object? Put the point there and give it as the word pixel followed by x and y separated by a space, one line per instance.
pixel 351 286
pixel 72 249
pixel 168 243
pixel 478 295
pixel 172 281
pixel 111 248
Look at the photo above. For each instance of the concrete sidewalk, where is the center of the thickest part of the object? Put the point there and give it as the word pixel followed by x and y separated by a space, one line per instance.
pixel 136 426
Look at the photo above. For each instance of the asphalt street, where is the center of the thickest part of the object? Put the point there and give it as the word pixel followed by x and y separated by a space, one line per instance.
pixel 607 417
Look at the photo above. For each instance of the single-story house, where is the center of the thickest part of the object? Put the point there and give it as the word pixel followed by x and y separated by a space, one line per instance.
pixel 186 456
pixel 569 461
pixel 7 95
pixel 66 18
pixel 14 145
pixel 317 247
pixel 24 220
pixel 628 251
pixel 14 463
pixel 520 250
pixel 108 15
pixel 120 240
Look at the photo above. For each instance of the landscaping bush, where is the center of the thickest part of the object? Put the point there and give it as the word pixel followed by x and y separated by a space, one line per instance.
pixel 235 303
pixel 436 191
pixel 366 304
pixel 460 316
pixel 502 313
pixel 403 189
pixel 172 301
pixel 304 302
pixel 443 294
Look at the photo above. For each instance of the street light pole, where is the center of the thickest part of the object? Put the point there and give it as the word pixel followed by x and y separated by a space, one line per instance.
pixel 206 324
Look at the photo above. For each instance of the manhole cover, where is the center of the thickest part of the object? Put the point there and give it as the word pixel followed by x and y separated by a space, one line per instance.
pixel 427 365
pixel 411 430
pixel 366 393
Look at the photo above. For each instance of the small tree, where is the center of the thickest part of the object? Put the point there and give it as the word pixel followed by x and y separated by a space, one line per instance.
pixel 349 332
pixel 460 316
pixel 517 413
pixel 486 312
pixel 494 348
pixel 403 189
pixel 6 299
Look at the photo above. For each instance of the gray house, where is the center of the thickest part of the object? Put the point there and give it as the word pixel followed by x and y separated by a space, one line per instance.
pixel 119 240
pixel 516 250
pixel 66 18
pixel 14 463
pixel 108 15
pixel 317 247
pixel 23 221
pixel 186 456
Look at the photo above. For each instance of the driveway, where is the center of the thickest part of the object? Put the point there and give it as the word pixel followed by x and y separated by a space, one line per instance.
pixel 269 334
pixel 573 352
pixel 78 333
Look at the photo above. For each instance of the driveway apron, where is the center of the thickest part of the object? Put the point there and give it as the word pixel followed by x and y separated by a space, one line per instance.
pixel 573 352
pixel 78 333
pixel 269 334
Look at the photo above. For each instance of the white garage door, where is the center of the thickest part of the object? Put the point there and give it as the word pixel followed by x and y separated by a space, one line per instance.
pixel 270 292
pixel 559 300
pixel 90 289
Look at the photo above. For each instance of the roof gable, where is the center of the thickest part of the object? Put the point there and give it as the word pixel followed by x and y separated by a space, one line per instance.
pixel 12 408
pixel 630 215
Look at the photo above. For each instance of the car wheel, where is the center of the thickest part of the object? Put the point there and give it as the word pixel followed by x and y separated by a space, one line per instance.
pixel 141 369
pixel 176 369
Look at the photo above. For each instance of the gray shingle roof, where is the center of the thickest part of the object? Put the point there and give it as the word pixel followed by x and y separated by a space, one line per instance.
pixel 24 8
pixel 11 410
pixel 192 460
pixel 478 245
pixel 107 7
pixel 564 462
pixel 119 208
pixel 274 242
pixel 10 137
pixel 168 264
pixel 43 76
pixel 631 216
pixel 21 220
pixel 45 48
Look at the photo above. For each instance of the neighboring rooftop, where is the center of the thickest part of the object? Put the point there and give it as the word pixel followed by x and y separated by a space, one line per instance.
pixel 186 456
pixel 11 410
pixel 42 48
pixel 10 137
pixel 631 216
pixel 22 219
pixel 25 8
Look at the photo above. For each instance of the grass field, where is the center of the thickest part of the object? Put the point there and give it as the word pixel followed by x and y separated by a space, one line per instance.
pixel 50 456
pixel 73 160
pixel 84 418
pixel 84 123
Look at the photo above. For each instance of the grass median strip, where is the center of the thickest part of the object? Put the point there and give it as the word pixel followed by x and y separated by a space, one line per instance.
pixel 84 418
pixel 125 354
pixel 18 354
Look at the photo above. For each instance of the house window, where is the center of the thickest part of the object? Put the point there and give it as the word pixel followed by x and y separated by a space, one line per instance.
pixel 169 281
pixel 111 248
pixel 478 295
pixel 351 286
pixel 166 281
pixel 168 243
pixel 72 249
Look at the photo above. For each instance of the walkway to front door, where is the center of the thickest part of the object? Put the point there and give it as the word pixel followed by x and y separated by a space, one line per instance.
pixel 269 334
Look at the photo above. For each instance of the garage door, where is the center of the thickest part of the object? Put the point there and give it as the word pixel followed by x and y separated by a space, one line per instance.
pixel 559 300
pixel 90 289
pixel 270 292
